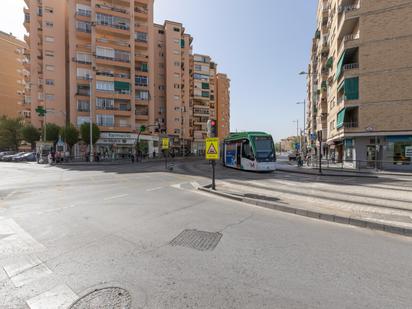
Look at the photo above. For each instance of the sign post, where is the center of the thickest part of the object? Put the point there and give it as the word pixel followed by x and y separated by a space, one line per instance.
pixel 165 148
pixel 212 154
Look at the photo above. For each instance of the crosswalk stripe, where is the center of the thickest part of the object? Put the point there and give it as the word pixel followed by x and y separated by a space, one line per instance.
pixel 60 297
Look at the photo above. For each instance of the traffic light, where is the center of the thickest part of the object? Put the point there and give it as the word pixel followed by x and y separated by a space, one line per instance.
pixel 212 128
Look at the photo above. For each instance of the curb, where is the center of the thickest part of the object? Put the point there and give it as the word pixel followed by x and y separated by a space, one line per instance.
pixel 324 173
pixel 393 229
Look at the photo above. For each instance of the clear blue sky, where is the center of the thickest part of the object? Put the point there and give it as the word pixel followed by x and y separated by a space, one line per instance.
pixel 262 45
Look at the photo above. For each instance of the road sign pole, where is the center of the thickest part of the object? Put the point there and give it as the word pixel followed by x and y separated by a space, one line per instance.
pixel 213 175
pixel 166 154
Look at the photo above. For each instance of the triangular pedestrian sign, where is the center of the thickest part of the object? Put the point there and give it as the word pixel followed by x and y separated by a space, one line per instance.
pixel 212 150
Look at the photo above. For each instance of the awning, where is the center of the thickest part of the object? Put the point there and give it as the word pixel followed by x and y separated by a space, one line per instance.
pixel 329 63
pixel 121 86
pixel 341 118
pixel 339 67
pixel 352 88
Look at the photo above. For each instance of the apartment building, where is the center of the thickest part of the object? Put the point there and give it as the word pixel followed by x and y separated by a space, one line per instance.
pixel 13 76
pixel 359 80
pixel 172 103
pixel 44 21
pixel 204 98
pixel 107 61
pixel 222 84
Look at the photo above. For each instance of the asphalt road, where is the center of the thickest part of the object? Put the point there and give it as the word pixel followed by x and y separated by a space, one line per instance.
pixel 66 231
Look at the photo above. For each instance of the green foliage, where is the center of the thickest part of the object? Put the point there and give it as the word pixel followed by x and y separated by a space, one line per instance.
pixel 70 135
pixel 85 133
pixel 52 132
pixel 30 134
pixel 10 133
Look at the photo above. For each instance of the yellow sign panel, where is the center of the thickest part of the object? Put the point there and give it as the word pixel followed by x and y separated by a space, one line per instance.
pixel 165 143
pixel 212 149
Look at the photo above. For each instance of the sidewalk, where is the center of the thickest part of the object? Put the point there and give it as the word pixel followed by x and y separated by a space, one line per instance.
pixel 325 171
pixel 397 220
pixel 126 162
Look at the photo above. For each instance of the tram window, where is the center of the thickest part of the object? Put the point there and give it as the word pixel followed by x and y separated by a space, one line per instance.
pixel 247 151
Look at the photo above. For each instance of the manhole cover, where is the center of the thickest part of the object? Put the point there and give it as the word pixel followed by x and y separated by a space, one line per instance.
pixel 198 240
pixel 106 298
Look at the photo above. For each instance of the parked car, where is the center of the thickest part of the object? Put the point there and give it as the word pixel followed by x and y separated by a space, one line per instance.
pixel 6 153
pixel 10 157
pixel 28 156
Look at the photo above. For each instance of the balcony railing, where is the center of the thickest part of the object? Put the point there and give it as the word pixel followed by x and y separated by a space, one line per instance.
pixel 117 59
pixel 349 8
pixel 349 125
pixel 81 12
pixel 112 8
pixel 351 37
pixel 350 66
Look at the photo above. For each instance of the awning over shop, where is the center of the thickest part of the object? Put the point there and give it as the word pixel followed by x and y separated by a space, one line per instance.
pixel 341 118
pixel 339 67
pixel 121 86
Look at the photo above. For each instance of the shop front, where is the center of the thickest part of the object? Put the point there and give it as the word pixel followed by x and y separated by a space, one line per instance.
pixel 115 146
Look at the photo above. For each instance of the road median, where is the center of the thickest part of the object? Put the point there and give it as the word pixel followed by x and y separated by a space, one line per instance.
pixel 339 216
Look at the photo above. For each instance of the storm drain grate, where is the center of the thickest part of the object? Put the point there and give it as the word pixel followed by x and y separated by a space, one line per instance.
pixel 199 240
pixel 106 298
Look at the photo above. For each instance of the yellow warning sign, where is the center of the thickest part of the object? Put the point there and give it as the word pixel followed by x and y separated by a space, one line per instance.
pixel 212 149
pixel 165 143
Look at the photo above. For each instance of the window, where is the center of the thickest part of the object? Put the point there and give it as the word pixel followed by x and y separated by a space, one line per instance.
pixel 83 106
pixel 199 58
pixel 176 29
pixel 49 97
pixel 50 82
pixel 104 86
pixel 105 120
pixel 83 58
pixel 247 151
pixel 177 86
pixel 177 63
pixel 205 94
pixel 84 26
pixel 177 119
pixel 83 73
pixel 176 97
pixel 49 53
pixel 201 77
pixel 50 67
pixel 82 119
pixel 105 103
pixel 176 52
pixel 141 36
pixel 103 52
pixel 205 86
pixel 48 9
pixel 142 95
pixel 177 131
pixel 142 80
pixel 49 39
pixel 83 10
pixel 177 109
pixel 49 24
pixel 177 75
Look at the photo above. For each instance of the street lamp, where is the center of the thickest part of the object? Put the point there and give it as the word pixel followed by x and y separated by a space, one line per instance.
pixel 297 134
pixel 91 119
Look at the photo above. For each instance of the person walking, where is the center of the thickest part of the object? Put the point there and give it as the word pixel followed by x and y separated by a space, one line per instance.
pixel 132 158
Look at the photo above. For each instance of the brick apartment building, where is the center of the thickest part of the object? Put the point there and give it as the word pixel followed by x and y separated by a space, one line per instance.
pixel 359 82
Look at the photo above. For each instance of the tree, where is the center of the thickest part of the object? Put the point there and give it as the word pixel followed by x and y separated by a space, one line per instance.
pixel 85 132
pixel 70 135
pixel 52 132
pixel 30 134
pixel 10 133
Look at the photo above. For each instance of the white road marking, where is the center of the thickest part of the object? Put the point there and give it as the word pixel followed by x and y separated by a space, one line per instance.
pixel 115 197
pixel 195 184
pixel 177 186
pixel 18 241
pixel 60 297
pixel 29 275
pixel 154 189
pixel 10 194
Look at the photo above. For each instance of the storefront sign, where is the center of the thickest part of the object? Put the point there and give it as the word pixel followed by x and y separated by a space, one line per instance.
pixel 408 151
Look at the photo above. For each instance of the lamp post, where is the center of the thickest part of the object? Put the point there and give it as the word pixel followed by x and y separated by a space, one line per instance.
pixel 91 120
pixel 297 133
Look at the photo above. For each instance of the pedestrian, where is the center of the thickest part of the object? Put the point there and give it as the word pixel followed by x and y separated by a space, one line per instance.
pixel 132 158
pixel 38 157
pixel 53 154
pixel 154 154
pixel 50 158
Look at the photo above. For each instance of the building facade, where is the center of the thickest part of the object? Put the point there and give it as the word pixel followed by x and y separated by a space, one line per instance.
pixel 359 94
pixel 109 63
pixel 44 21
pixel 222 83
pixel 14 102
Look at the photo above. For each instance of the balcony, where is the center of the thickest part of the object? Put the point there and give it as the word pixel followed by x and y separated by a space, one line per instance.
pixel 141 12
pixel 113 10
pixel 83 13
pixel 350 125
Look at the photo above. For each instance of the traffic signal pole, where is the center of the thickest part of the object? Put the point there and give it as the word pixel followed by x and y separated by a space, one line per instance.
pixel 213 175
